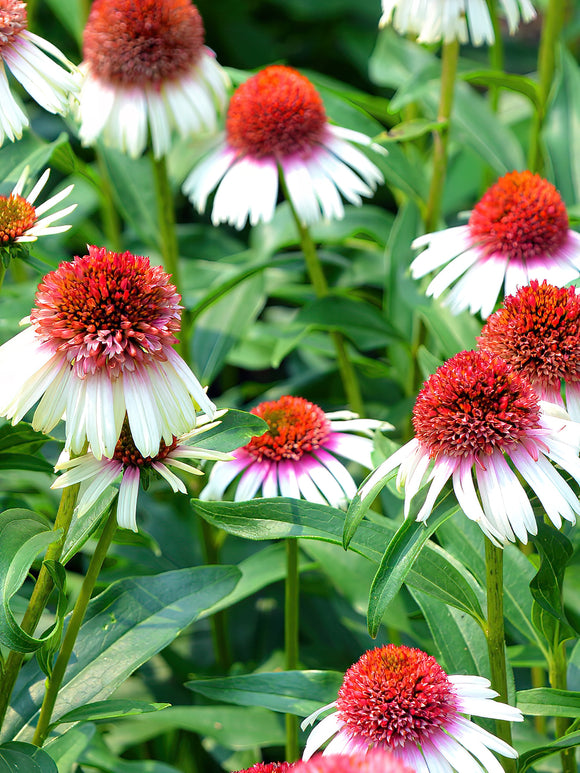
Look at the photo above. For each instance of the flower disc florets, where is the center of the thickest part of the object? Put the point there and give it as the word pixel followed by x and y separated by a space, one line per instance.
pixel 474 404
pixel 276 112
pixel 522 216
pixel 395 695
pixel 142 42
pixel 268 767
pixel 107 310
pixel 13 19
pixel 296 427
pixel 16 216
pixel 127 452
pixel 537 331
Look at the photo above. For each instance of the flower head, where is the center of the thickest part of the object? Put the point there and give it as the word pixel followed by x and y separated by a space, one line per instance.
pixel 129 463
pixel 100 344
pixel 147 70
pixel 399 699
pixel 448 20
pixel 376 761
pixel 516 233
pixel 537 331
pixel 23 53
pixel 269 767
pixel 276 121
pixel 297 456
pixel 477 414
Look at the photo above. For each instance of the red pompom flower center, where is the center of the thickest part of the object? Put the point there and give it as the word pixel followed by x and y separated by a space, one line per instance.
pixel 127 452
pixel 13 20
pixel 16 217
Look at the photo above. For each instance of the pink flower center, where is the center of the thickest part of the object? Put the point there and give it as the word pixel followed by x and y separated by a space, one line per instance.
pixel 395 695
pixel 296 427
pixel 521 217
pixel 142 42
pixel 13 20
pixel 107 310
pixel 474 404
pixel 268 767
pixel 127 452
pixel 276 112
pixel 538 333
pixel 16 217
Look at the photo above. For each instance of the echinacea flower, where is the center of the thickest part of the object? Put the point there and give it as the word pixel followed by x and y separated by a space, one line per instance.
pixel 517 232
pixel 378 761
pixel 537 331
pixel 129 464
pixel 477 414
pixel 23 53
pixel 448 20
pixel 100 344
pixel 21 221
pixel 269 767
pixel 399 699
pixel 147 71
pixel 297 456
pixel 276 124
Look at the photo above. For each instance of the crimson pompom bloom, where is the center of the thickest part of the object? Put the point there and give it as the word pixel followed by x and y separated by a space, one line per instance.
pixel 537 331
pixel 516 233
pixel 100 344
pixel 399 699
pixel 297 456
pixel 269 767
pixel 147 71
pixel 276 121
pixel 476 414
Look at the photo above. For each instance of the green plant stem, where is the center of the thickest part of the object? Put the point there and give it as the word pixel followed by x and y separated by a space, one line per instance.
pixel 111 221
pixel 291 627
pixel 496 52
pixel 39 597
pixel 449 59
pixel 318 280
pixel 168 241
pixel 72 630
pixel 496 638
pixel 553 23
pixel 218 621
pixel 558 668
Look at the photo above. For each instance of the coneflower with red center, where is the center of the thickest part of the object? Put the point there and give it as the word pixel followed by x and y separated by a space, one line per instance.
pixel 276 124
pixel 297 456
pixel 399 699
pixel 31 60
pixel 129 464
pixel 147 71
pixel 477 415
pixel 537 331
pixel 269 767
pixel 99 345
pixel 517 232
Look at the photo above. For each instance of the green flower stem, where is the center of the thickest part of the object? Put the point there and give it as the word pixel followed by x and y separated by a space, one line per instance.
pixel 291 627
pixel 318 280
pixel 449 59
pixel 218 621
pixel 558 668
pixel 553 23
pixel 496 638
pixel 496 52
pixel 111 221
pixel 169 245
pixel 39 597
pixel 72 630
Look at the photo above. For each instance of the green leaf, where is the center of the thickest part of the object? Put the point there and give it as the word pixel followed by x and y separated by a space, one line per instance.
pixel 81 528
pixel 548 702
pixel 29 151
pixel 236 428
pixel 98 755
pixel 123 628
pixel 23 535
pixel 21 437
pixel 17 757
pixel 532 756
pixel 10 461
pixel 45 654
pixel 548 615
pixel 105 710
pixel 289 692
pixel 67 748
pixel 518 83
pixel 412 130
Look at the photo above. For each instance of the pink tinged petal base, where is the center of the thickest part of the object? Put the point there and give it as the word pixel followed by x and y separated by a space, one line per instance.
pixel 287 480
pixel 356 449
pixel 251 481
pixel 222 474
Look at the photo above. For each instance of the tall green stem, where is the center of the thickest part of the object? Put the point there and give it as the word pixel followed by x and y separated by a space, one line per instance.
pixel 111 221
pixel 553 23
pixel 39 597
pixel 558 668
pixel 496 638
pixel 218 621
pixel 76 619
pixel 318 280
pixel 291 627
pixel 169 245
pixel 496 53
pixel 449 59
